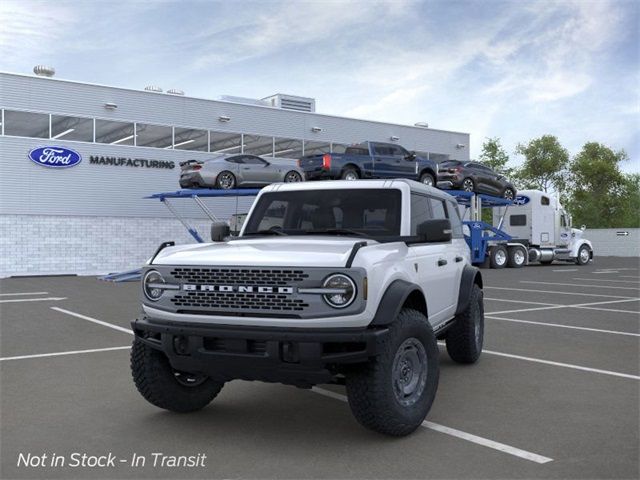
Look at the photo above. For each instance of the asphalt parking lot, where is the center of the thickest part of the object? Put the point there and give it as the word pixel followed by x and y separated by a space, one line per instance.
pixel 555 394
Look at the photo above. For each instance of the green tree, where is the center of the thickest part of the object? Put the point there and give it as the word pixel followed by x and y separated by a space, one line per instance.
pixel 494 156
pixel 545 164
pixel 600 194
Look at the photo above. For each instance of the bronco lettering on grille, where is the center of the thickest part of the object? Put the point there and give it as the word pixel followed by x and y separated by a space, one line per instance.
pixel 237 288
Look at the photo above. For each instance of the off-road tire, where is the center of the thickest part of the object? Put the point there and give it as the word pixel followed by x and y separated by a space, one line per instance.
pixel 427 176
pixel 496 260
pixel 465 337
pixel 514 261
pixel 155 380
pixel 349 173
pixel 370 387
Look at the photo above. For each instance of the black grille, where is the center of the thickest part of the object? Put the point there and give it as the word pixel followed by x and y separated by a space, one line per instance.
pixel 239 301
pixel 236 276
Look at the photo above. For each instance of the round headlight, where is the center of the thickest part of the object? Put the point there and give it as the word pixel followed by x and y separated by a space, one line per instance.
pixel 345 290
pixel 150 285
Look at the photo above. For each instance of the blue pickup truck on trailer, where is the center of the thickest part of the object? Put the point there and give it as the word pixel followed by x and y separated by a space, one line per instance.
pixel 370 160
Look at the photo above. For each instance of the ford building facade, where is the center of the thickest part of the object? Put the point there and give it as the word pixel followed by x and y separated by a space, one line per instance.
pixel 77 159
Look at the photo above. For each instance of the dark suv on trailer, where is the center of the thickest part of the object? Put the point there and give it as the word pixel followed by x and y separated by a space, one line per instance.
pixel 475 177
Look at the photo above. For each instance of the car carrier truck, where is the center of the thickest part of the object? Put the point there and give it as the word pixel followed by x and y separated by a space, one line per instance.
pixel 538 221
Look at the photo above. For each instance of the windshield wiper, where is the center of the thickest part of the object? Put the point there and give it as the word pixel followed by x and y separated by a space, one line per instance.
pixel 266 232
pixel 337 231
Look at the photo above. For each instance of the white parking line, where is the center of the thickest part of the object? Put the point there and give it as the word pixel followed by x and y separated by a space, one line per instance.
pixel 23 293
pixel 58 354
pixel 93 320
pixel 545 324
pixel 519 301
pixel 557 292
pixel 18 300
pixel 581 285
pixel 588 306
pixel 629 276
pixel 469 437
pixel 605 280
pixel 566 270
pixel 565 365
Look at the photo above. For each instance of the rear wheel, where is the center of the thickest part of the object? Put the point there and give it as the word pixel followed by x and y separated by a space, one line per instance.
pixel 394 392
pixel 517 257
pixel 292 177
pixel 427 179
pixel 466 336
pixel 508 193
pixel 165 387
pixel 350 174
pixel 226 180
pixel 498 257
pixel 468 185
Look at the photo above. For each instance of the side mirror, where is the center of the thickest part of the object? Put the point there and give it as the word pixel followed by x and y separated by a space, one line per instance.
pixel 219 231
pixel 583 228
pixel 433 231
pixel 410 156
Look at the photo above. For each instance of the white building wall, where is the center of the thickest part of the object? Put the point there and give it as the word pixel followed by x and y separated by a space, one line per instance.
pixel 612 242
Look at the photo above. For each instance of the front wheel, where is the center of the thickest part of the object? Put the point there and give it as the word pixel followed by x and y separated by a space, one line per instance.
pixel 167 388
pixel 508 194
pixel 226 180
pixel 292 177
pixel 584 255
pixel 466 336
pixel 468 185
pixel 427 179
pixel 394 392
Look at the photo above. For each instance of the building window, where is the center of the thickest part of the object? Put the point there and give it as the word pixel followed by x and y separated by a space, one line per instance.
pixel 257 145
pixel 316 148
pixel 157 136
pixel 225 143
pixel 190 139
pixel 115 133
pixel 287 148
pixel 26 124
pixel 72 128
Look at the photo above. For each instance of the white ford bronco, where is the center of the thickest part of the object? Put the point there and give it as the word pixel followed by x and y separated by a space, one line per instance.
pixel 328 282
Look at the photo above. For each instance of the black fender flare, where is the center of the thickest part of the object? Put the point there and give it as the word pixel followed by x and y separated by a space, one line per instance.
pixel 470 275
pixel 393 300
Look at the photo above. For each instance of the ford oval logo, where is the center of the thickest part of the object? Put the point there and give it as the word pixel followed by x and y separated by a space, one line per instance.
pixel 55 157
pixel 521 200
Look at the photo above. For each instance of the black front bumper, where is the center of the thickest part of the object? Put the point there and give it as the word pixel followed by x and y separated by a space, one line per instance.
pixel 301 357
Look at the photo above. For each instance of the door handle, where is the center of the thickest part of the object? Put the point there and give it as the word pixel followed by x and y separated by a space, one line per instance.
pixel 442 262
pixel 459 259
pixel 246 168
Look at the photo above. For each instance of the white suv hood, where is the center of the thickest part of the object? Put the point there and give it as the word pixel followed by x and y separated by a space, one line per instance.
pixel 309 251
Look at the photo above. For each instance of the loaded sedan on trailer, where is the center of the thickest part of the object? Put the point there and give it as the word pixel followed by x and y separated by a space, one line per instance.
pixel 226 172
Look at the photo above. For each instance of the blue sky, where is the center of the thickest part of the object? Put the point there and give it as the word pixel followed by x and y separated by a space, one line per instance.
pixel 511 69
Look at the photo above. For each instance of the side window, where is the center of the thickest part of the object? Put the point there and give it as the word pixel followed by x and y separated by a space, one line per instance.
pixel 397 151
pixel 544 201
pixel 420 211
pixel 382 150
pixel 251 160
pixel 517 220
pixel 456 223
pixel 437 208
pixel 235 160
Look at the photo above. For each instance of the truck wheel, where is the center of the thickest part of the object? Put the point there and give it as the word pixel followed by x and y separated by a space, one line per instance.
pixel 465 337
pixel 166 388
pixel 427 179
pixel 225 180
pixel 393 393
pixel 498 256
pixel 517 257
pixel 584 255
pixel 350 174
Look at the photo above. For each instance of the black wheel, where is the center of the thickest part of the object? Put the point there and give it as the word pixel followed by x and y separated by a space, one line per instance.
pixel 292 177
pixel 465 337
pixel 427 179
pixel 167 388
pixel 517 257
pixel 468 185
pixel 508 193
pixel 498 257
pixel 350 173
pixel 394 392
pixel 226 180
pixel 584 255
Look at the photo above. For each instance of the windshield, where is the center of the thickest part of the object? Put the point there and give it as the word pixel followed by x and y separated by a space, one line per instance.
pixel 359 212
